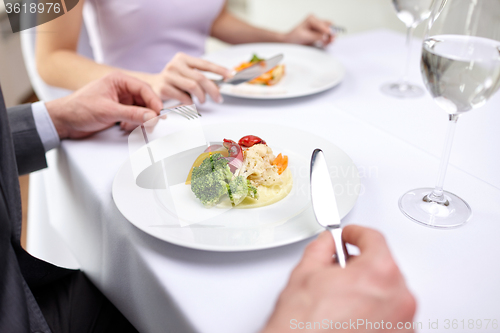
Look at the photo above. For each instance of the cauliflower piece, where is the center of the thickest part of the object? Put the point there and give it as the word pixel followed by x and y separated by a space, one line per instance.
pixel 257 166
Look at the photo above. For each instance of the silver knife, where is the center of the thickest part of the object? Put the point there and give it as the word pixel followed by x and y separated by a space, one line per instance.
pixel 253 71
pixel 324 203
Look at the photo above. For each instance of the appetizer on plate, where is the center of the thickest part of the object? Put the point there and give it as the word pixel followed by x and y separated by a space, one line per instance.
pixel 244 174
pixel 269 78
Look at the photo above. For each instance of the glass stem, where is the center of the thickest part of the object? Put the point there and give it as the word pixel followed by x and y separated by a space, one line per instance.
pixel 437 194
pixel 409 35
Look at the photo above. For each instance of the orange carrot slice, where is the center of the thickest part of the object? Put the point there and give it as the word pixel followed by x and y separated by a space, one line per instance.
pixel 281 163
pixel 285 162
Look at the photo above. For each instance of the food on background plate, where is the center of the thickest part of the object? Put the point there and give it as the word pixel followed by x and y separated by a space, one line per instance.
pixel 247 175
pixel 269 78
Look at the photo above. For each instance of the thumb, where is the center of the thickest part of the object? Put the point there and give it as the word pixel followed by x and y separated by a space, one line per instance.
pixel 321 26
pixel 314 36
pixel 318 254
pixel 133 114
pixel 370 242
pixel 320 251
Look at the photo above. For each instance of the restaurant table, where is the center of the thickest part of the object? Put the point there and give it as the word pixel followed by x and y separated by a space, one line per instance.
pixel 396 145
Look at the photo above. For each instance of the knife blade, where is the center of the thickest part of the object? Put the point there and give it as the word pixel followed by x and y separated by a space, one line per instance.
pixel 324 203
pixel 253 71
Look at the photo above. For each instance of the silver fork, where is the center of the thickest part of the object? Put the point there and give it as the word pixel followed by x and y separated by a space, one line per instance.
pixel 334 30
pixel 187 111
pixel 337 29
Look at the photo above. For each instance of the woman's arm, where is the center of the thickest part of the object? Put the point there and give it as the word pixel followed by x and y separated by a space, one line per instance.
pixel 57 59
pixel 230 29
pixel 60 65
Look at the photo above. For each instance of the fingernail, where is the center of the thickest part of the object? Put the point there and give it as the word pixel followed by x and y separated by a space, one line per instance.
pixel 148 116
pixel 220 100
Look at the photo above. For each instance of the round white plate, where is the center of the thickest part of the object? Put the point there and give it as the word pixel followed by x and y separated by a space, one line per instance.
pixel 308 70
pixel 176 216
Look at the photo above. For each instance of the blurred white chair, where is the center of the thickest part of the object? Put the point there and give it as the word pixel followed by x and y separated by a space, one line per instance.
pixel 44 91
pixel 43 241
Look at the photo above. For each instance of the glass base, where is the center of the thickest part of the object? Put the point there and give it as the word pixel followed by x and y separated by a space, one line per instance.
pixel 453 213
pixel 402 90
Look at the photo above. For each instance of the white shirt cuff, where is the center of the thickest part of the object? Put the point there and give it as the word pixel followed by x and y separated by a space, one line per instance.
pixel 44 126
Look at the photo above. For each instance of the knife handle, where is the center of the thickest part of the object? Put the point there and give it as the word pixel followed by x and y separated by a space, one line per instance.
pixel 340 248
pixel 218 82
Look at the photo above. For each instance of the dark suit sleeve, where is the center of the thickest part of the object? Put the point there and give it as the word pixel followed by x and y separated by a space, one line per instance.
pixel 30 153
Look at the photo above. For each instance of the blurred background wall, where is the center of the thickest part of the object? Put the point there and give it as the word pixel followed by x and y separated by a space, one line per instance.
pixel 280 15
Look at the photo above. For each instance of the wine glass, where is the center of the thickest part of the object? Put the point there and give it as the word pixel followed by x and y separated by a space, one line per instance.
pixel 461 69
pixel 412 13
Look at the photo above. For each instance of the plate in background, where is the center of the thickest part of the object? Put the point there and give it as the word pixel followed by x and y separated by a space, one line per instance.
pixel 307 70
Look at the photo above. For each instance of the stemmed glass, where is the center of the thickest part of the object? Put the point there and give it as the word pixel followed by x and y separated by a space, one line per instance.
pixel 461 69
pixel 412 13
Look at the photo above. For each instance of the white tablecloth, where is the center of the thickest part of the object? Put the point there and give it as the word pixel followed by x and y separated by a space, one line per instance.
pixel 396 145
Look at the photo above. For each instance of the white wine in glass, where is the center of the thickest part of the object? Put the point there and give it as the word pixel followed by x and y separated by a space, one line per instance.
pixel 412 13
pixel 461 69
pixel 460 72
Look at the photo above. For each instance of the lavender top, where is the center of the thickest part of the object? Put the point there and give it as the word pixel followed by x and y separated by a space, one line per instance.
pixel 143 35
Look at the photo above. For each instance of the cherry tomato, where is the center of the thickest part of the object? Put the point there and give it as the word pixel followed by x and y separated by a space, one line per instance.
pixel 250 140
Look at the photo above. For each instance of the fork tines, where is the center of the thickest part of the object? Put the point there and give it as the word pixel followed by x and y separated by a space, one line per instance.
pixel 187 111
pixel 336 29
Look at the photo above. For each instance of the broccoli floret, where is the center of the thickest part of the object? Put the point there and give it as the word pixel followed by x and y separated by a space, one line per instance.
pixel 210 164
pixel 220 163
pixel 213 178
pixel 255 58
pixel 252 191
pixel 209 188
pixel 209 180
pixel 204 169
pixel 239 188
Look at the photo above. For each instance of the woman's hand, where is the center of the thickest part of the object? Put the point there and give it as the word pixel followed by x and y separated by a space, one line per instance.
pixel 181 78
pixel 312 31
